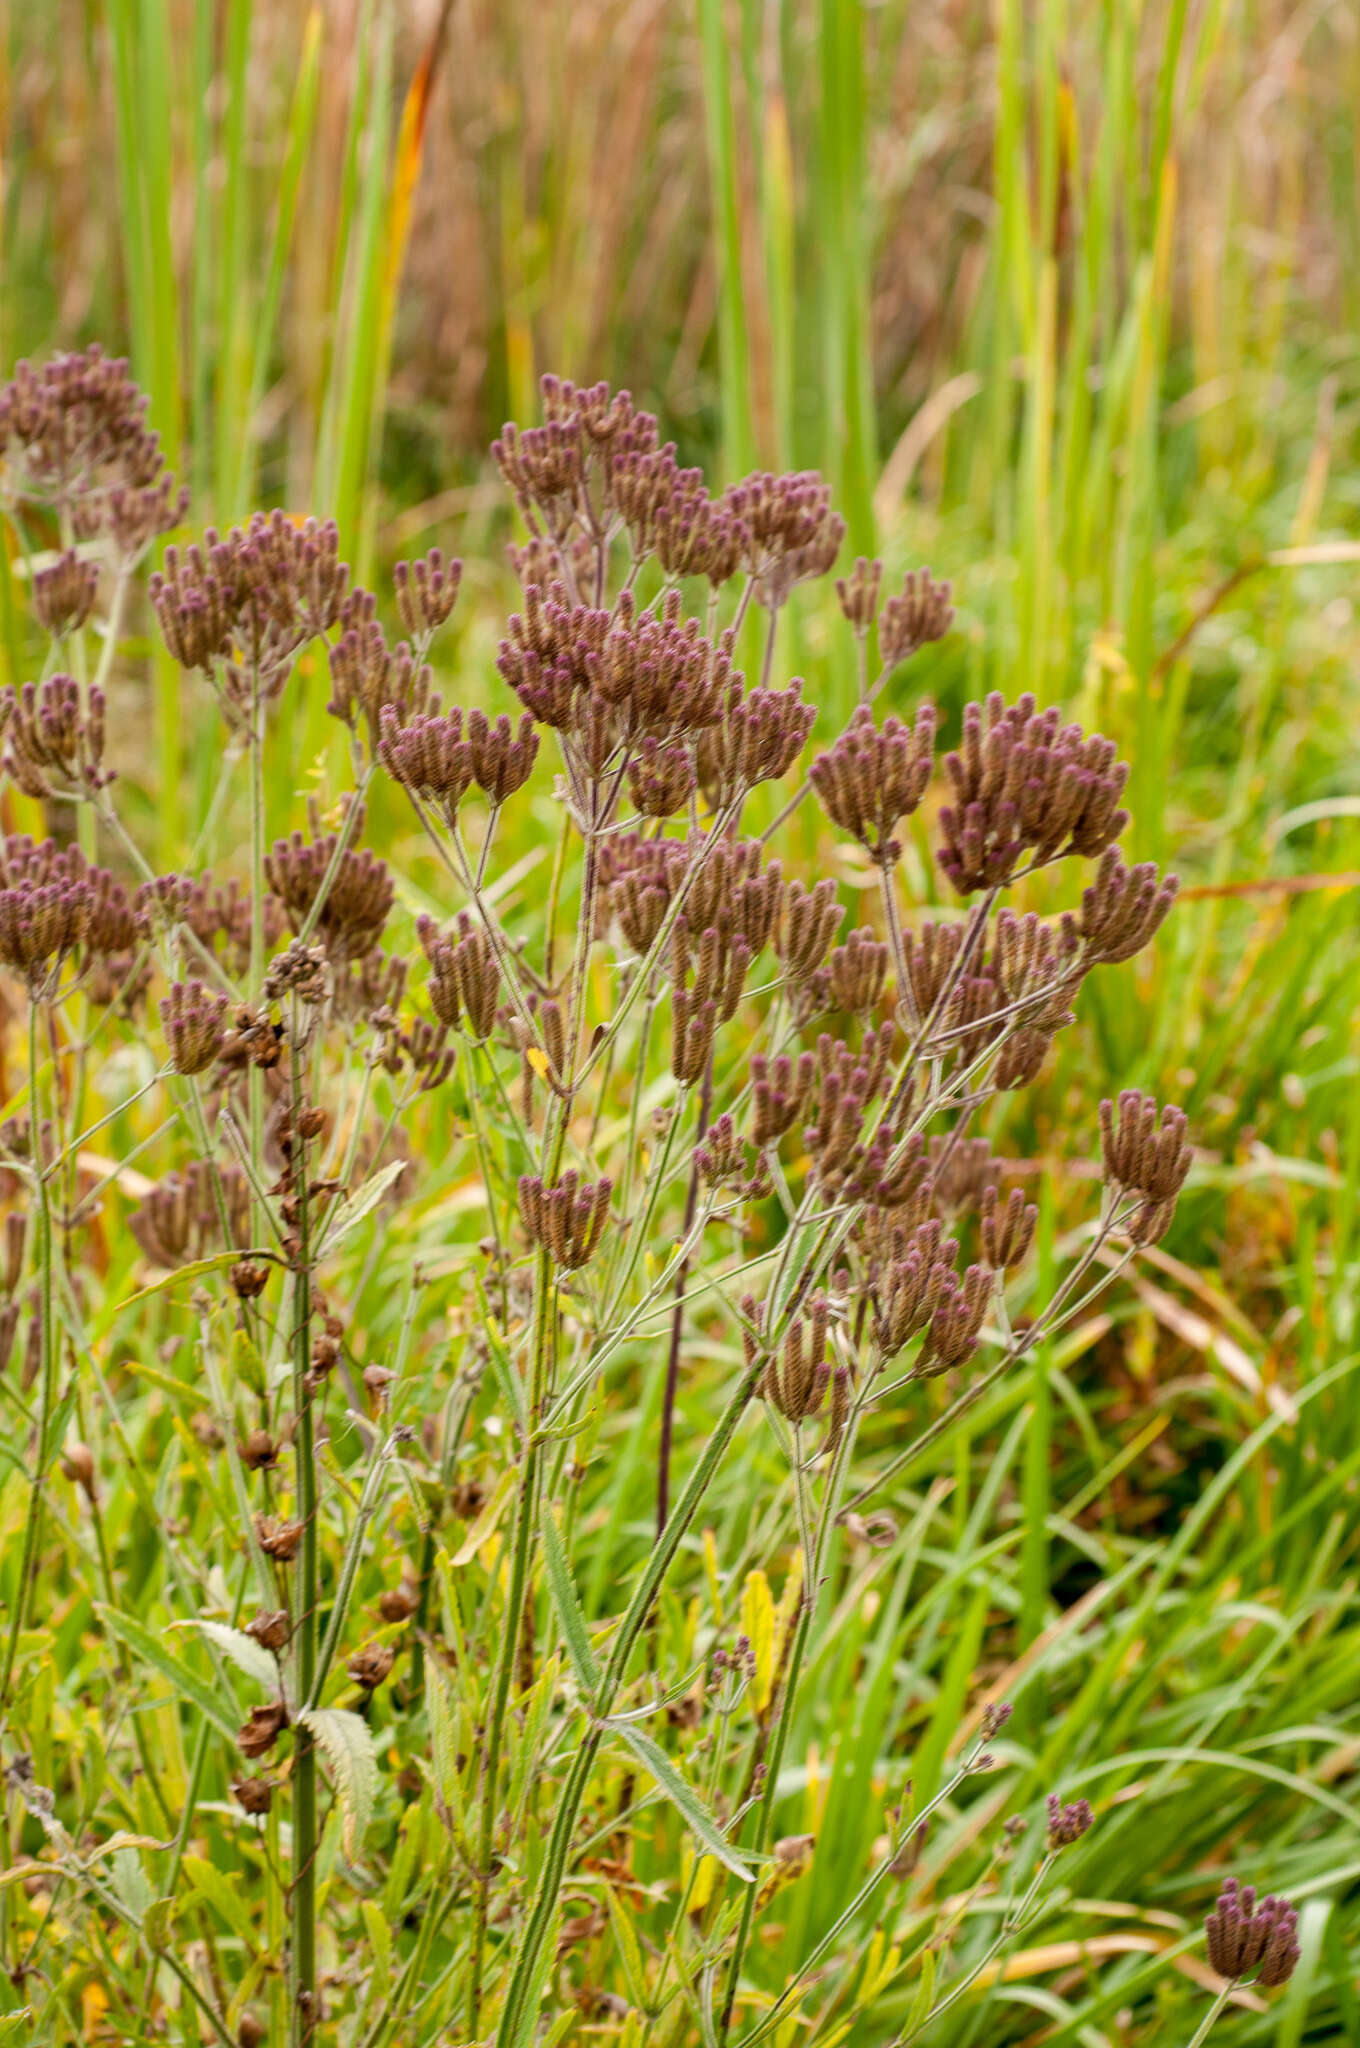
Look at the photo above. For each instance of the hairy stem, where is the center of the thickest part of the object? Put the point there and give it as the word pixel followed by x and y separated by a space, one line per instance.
pixel 305 1586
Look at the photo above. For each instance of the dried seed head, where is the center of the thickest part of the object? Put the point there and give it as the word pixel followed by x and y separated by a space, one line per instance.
pixel 912 1286
pixel 431 757
pixel 248 1279
pixel 464 978
pixel 956 1324
pixel 816 558
pixel 872 778
pixel 776 516
pixel 397 1603
pixel 503 755
pixel 54 739
pixel 426 591
pixel 1023 785
pixel 995 1715
pixel 1067 1824
pixel 178 1221
pixel 1008 1233
pixel 357 903
pixel 368 678
pixel 192 1018
pixel 757 739
pixel 270 1630
pixel 370 1666
pixel 254 1796
pixel 77 1464
pixel 567 1219
pixel 661 779
pixel 1145 1153
pixel 808 922
pixel 1123 907
pixel 74 438
pixel 259 1452
pixel 263 1729
pixel 857 973
pixel 920 614
pixel 858 595
pixel 1243 1936
pixel 64 594
pixel 796 1378
pixel 278 1540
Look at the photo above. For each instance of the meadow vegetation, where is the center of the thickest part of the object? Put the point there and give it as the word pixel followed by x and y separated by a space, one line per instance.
pixel 603 1439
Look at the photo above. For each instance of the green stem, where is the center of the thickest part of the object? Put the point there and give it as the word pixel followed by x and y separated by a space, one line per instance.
pixel 1202 2030
pixel 630 1629
pixel 43 1258
pixel 305 1589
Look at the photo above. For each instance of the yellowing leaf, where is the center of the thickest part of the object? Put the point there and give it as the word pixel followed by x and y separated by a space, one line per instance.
pixel 485 1524
pixel 711 1573
pixel 539 1061
pixel 757 1625
pixel 705 1877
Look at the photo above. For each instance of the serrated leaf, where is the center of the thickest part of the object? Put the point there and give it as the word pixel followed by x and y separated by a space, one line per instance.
pixel 245 1653
pixel 131 1885
pixel 486 1521
pixel 757 1625
pixel 629 1952
pixel 144 1643
pixel 683 1798
pixel 157 1922
pixel 356 1207
pixel 347 1745
pixel 567 1605
pixel 442 1709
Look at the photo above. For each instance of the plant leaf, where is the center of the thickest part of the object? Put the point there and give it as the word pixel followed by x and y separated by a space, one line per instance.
pixel 347 1745
pixel 150 1648
pixel 225 1897
pixel 195 1270
pixel 567 1605
pixel 356 1207
pixel 487 1520
pixel 245 1653
pixel 757 1625
pixel 683 1798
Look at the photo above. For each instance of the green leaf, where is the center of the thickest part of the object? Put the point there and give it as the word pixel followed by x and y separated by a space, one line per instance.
pixel 352 1211
pixel 683 1798
pixel 567 1605
pixel 442 1709
pixel 150 1648
pixel 925 1994
pixel 245 1653
pixel 11 2022
pixel 195 1270
pixel 487 1520
pixel 629 1953
pixel 225 1897
pixel 347 1745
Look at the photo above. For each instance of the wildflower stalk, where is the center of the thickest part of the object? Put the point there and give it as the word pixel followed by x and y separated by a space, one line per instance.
pixel 305 1587
pixel 1201 2033
pixel 611 1683
pixel 43 1257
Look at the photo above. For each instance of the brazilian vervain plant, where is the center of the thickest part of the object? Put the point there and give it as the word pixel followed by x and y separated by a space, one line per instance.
pixel 708 1135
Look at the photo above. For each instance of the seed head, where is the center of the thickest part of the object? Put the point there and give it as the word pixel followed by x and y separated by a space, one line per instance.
pixel 1144 1152
pixel 46 907
pixel 74 438
pixel 251 601
pixel 64 594
pixel 661 779
pixel 758 737
pixel 1023 785
pixel 192 1020
pixel 920 614
pixel 956 1323
pixel 270 1630
pixel 177 1221
pixel 254 1796
pixel 54 738
pixel 857 973
pixel 464 978
pixel 1067 1824
pixel 263 1729
pixel 278 1540
pixel 779 1090
pixel 370 1666
pixel 858 595
pixel 1008 1233
pixel 796 1378
pixel 1123 907
pixel 1243 1936
pixel 870 779
pixel 369 678
pixel 913 1285
pixel 568 1218
pixel 808 922
pixel 357 903
pixel 427 591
